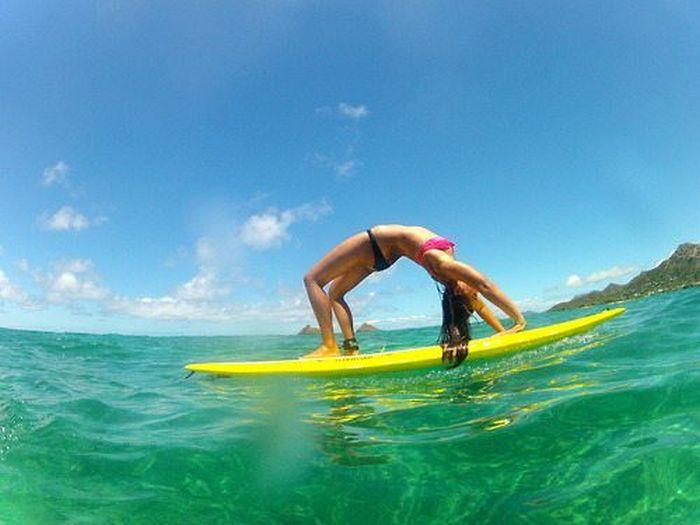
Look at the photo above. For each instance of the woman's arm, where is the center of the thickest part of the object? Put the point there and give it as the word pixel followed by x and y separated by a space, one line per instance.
pixel 446 267
pixel 487 315
pixel 478 306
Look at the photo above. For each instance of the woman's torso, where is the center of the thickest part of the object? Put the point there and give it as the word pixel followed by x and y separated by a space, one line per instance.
pixel 396 240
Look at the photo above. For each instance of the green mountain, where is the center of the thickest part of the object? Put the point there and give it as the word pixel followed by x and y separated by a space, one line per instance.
pixel 680 270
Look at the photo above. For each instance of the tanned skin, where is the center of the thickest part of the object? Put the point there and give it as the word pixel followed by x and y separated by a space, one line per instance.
pixel 352 261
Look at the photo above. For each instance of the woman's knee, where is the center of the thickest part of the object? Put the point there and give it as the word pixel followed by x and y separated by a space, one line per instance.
pixel 310 280
pixel 335 293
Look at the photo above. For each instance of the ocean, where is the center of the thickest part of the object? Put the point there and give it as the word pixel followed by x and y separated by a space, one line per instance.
pixel 599 428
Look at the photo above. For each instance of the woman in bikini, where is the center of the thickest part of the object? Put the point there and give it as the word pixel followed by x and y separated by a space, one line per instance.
pixel 375 250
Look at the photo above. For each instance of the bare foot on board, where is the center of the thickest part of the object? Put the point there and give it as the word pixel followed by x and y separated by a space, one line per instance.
pixel 323 351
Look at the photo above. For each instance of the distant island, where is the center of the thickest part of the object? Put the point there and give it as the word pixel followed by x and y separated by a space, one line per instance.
pixel 309 330
pixel 680 270
pixel 313 330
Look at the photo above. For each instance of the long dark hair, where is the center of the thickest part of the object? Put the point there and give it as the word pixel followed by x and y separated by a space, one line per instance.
pixel 454 333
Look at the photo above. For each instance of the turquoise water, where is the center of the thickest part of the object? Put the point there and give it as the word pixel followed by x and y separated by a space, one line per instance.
pixel 600 428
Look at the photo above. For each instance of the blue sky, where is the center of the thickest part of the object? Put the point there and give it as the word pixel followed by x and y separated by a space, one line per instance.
pixel 174 168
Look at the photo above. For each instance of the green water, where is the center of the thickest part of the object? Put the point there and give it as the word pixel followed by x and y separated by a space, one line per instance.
pixel 600 428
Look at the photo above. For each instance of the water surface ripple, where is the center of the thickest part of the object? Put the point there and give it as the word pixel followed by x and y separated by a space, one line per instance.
pixel 599 428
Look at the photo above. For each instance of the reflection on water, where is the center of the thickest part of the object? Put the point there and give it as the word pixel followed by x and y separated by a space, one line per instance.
pixel 360 421
pixel 366 420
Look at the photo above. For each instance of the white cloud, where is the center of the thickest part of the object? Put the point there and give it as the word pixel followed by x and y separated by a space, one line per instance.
pixel 344 110
pixel 166 308
pixel 56 174
pixel 204 297
pixel 658 263
pixel 353 112
pixel 611 273
pixel 290 306
pixel 75 265
pixel 536 304
pixel 206 250
pixel 287 310
pixel 343 164
pixel 265 230
pixel 269 229
pixel 309 212
pixel 345 169
pixel 67 219
pixel 204 286
pixel 72 280
pixel 405 321
pixel 10 291
pixel 26 268
pixel 574 281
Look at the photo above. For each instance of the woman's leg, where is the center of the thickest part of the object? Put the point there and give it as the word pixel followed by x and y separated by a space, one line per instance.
pixel 339 287
pixel 349 255
pixel 321 306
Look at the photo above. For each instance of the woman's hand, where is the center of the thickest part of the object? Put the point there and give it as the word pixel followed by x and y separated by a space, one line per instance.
pixel 517 327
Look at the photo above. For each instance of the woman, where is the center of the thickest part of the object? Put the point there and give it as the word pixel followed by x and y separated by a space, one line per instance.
pixel 375 250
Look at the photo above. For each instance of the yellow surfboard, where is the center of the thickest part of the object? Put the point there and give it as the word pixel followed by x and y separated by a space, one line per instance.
pixel 399 360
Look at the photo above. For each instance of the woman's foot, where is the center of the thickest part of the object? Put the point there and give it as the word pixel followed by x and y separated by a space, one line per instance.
pixel 351 347
pixel 323 351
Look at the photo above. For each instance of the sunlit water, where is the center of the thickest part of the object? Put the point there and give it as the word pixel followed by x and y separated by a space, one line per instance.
pixel 599 428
